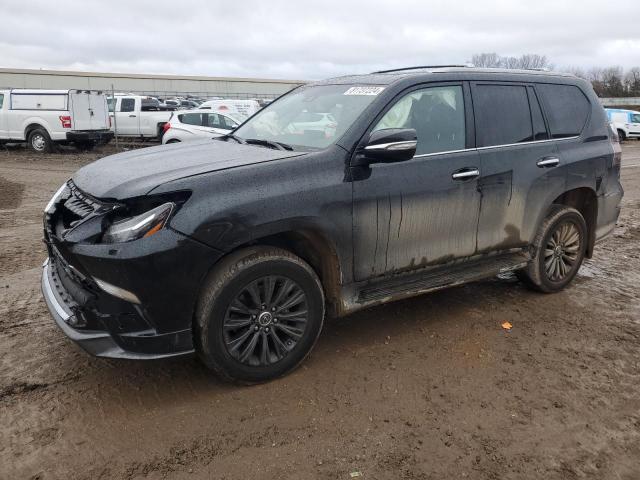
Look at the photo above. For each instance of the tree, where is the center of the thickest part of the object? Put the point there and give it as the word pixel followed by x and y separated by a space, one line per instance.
pixel 527 61
pixel 486 60
pixel 632 82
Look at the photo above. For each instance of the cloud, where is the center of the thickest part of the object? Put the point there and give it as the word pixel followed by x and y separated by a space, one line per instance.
pixel 308 40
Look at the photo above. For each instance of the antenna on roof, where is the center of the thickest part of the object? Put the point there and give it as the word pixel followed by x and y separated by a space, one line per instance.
pixel 426 67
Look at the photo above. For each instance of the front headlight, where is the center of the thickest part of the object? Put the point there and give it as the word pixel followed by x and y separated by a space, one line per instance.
pixel 143 225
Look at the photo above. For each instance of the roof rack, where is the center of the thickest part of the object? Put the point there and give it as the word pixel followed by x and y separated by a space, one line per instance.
pixel 422 67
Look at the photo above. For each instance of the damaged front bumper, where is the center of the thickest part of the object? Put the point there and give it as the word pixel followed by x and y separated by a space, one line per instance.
pixel 103 343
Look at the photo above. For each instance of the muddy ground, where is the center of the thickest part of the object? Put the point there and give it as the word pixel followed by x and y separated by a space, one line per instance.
pixel 428 388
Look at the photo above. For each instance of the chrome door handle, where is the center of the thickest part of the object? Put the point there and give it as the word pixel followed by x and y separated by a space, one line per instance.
pixel 466 174
pixel 548 162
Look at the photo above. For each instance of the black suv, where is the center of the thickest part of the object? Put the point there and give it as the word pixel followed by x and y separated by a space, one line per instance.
pixel 340 195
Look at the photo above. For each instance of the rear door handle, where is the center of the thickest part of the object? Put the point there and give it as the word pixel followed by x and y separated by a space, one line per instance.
pixel 548 162
pixel 466 174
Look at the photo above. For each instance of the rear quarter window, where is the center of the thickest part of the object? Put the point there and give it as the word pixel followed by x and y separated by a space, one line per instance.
pixel 567 109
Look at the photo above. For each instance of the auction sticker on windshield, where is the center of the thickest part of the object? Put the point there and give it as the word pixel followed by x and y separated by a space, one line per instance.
pixel 364 91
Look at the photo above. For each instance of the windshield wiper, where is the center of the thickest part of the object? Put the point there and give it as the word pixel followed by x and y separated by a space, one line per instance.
pixel 233 137
pixel 269 143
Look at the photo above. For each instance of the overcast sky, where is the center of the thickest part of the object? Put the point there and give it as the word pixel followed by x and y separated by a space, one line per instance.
pixel 309 39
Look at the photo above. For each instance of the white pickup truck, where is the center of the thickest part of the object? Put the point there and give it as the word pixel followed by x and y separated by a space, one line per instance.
pixel 43 118
pixel 137 116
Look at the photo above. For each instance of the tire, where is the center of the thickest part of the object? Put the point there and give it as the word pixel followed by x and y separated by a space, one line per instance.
pixel 39 141
pixel 563 233
pixel 231 340
pixel 621 135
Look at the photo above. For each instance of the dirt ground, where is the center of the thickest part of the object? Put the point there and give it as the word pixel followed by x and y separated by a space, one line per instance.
pixel 427 388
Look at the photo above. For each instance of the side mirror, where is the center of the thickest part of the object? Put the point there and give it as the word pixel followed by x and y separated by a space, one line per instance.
pixel 391 145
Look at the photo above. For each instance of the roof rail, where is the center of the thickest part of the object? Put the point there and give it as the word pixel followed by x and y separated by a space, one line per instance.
pixel 421 67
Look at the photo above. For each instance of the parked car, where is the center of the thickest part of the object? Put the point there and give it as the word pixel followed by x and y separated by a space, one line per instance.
pixel 187 125
pixel 236 248
pixel 246 108
pixel 42 118
pixel 625 122
pixel 321 122
pixel 137 116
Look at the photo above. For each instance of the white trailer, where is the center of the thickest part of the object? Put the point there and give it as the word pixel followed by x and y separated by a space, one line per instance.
pixel 45 117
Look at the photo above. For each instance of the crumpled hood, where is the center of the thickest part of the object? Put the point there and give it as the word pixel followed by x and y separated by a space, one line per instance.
pixel 135 173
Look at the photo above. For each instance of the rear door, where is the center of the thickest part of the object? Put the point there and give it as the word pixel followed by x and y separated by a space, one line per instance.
pixel 99 111
pixel 518 163
pixel 80 109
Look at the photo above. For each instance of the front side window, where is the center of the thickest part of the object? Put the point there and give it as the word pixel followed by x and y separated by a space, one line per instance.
pixel 635 118
pixel 436 114
pixel 312 117
pixel 214 120
pixel 502 115
pixel 127 104
pixel 567 109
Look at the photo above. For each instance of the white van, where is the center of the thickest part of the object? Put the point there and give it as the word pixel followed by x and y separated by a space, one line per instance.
pixel 626 122
pixel 44 117
pixel 246 108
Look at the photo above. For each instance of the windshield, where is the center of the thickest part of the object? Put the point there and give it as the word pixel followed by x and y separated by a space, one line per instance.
pixel 310 117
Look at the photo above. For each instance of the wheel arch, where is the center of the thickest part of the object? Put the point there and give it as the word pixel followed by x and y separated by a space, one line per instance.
pixel 583 199
pixel 315 248
pixel 33 125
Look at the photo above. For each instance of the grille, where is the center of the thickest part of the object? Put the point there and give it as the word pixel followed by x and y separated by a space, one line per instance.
pixel 80 204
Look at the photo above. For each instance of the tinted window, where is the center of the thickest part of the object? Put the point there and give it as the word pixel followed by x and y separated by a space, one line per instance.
pixel 502 115
pixel 111 103
pixel 437 115
pixel 127 104
pixel 539 128
pixel 567 109
pixel 1 99
pixel 191 118
pixel 635 118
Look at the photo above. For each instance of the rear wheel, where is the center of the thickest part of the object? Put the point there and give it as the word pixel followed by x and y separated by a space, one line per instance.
pixel 559 249
pixel 259 316
pixel 39 141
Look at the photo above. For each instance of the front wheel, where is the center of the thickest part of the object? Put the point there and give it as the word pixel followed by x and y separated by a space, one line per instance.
pixel 260 313
pixel 621 135
pixel 559 249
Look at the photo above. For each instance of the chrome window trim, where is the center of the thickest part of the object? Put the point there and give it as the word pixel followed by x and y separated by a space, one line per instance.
pixel 447 152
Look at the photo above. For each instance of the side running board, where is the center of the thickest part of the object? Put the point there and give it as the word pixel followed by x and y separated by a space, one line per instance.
pixel 429 279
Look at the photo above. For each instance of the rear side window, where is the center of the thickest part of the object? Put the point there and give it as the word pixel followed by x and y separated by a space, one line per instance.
pixel 191 118
pixel 127 104
pixel 502 115
pixel 567 109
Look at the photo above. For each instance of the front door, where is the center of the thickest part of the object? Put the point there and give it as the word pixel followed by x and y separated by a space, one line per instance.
pixel 128 121
pixel 423 211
